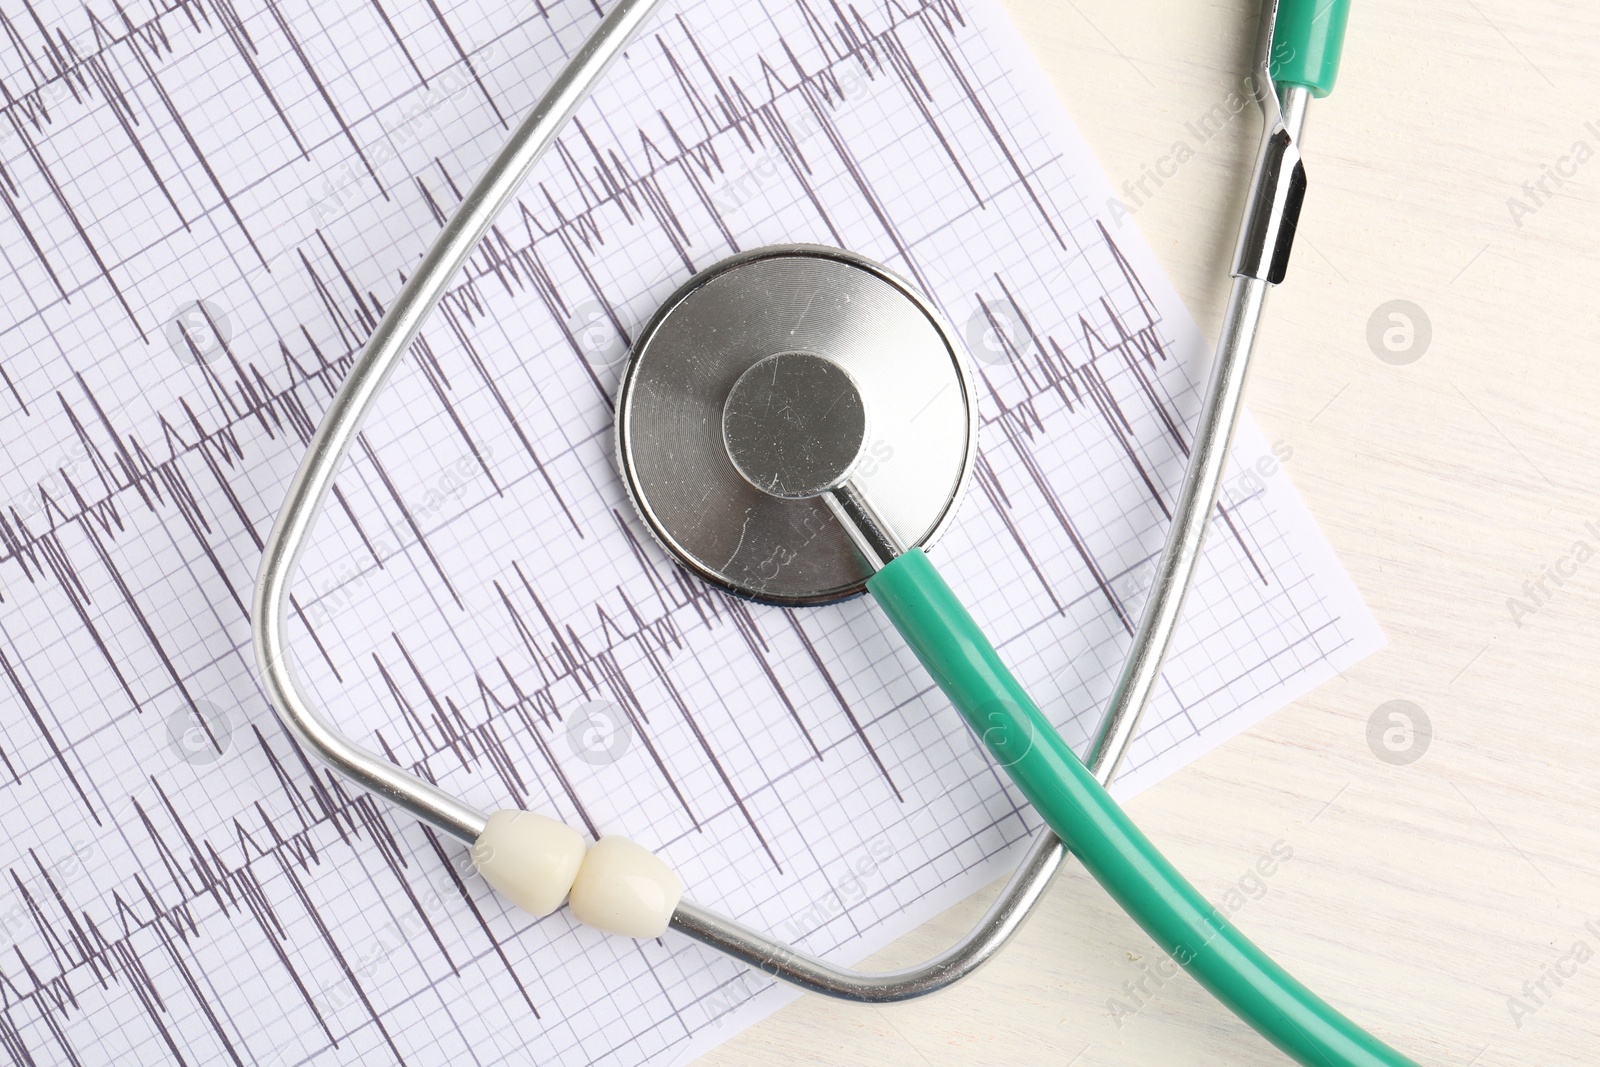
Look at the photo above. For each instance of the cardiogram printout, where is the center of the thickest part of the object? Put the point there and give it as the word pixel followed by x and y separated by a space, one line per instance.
pixel 205 206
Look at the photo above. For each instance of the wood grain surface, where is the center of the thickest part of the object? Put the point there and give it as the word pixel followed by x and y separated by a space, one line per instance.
pixel 1451 904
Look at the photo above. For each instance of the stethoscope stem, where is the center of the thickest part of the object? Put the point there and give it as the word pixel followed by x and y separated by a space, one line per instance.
pixel 873 535
pixel 280 555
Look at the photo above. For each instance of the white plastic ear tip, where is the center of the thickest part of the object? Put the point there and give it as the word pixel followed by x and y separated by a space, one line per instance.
pixel 623 888
pixel 530 858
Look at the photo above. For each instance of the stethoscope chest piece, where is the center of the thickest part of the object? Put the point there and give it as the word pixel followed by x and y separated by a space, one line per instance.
pixel 777 374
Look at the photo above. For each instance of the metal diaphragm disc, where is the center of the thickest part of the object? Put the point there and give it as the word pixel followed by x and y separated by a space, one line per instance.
pixel 795 425
pixel 896 349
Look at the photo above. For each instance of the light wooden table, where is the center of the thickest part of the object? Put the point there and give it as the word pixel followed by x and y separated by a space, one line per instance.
pixel 1421 897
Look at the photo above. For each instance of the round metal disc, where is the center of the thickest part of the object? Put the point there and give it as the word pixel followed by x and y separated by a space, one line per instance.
pixel 891 344
pixel 794 425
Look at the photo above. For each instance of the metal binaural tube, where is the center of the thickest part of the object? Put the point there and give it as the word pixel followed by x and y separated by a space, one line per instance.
pixel 280 556
pixel 1191 517
pixel 1002 919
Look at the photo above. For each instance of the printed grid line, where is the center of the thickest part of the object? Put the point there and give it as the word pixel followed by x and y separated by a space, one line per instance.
pixel 797 815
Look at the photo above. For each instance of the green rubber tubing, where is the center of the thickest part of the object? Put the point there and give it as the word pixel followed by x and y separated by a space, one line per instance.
pixel 1307 37
pixel 1101 835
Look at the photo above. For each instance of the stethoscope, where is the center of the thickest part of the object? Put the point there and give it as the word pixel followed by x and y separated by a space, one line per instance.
pixel 747 416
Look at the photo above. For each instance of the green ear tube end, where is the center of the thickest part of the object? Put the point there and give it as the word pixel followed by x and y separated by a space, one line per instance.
pixel 1307 38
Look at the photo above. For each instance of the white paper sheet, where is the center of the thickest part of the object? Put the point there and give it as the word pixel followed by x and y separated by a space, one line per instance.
pixel 205 208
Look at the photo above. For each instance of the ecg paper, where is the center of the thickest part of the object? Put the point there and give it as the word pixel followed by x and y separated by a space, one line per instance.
pixel 206 207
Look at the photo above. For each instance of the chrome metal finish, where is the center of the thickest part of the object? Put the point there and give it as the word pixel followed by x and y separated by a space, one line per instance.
pixel 1294 101
pixel 1272 210
pixel 1025 888
pixel 1191 517
pixel 1278 185
pixel 798 303
pixel 795 425
pixel 1004 917
pixel 398 327
pixel 1262 87
pixel 871 532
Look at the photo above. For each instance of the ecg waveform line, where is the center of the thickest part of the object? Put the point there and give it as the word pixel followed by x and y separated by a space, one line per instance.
pixel 162 484
pixel 194 872
pixel 516 268
pixel 726 127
